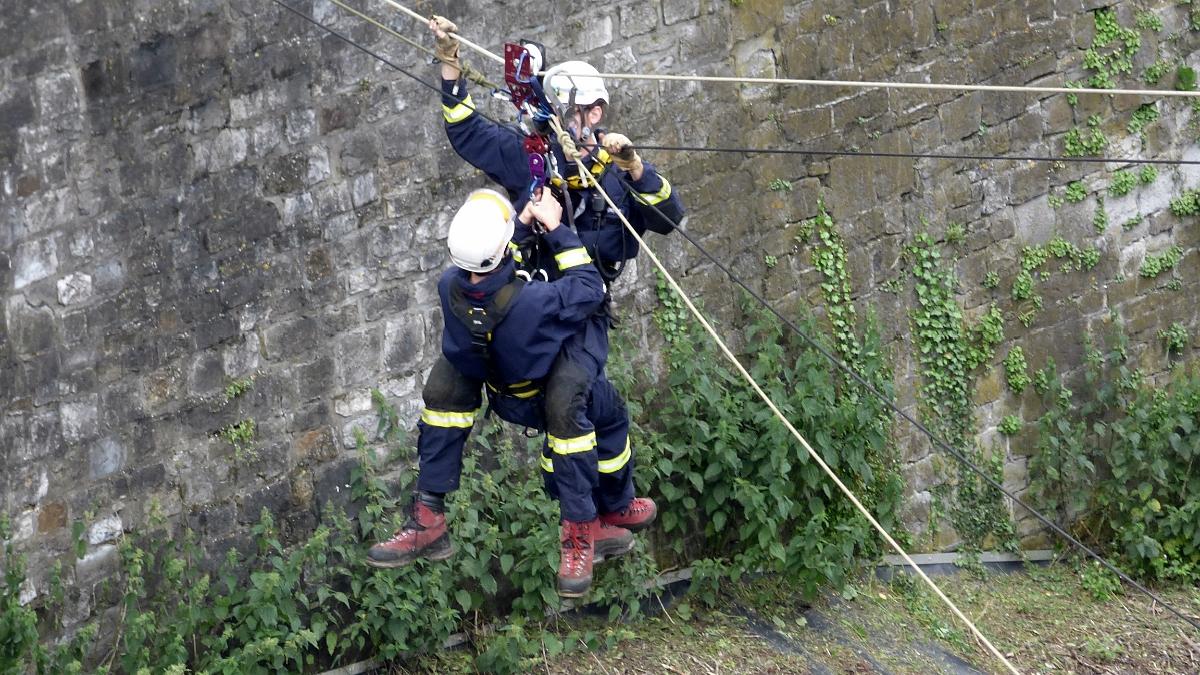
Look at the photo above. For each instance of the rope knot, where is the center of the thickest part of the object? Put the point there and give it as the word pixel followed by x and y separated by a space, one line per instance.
pixel 568 144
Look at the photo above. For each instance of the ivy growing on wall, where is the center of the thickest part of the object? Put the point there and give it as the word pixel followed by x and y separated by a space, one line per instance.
pixel 947 352
pixel 1112 50
pixel 1033 258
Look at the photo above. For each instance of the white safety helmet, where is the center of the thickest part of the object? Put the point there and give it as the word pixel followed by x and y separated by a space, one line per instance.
pixel 589 86
pixel 480 231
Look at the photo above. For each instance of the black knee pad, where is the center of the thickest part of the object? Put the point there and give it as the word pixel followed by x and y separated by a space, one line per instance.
pixel 448 389
pixel 566 398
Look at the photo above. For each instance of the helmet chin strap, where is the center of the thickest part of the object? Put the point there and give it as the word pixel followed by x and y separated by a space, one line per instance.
pixel 583 137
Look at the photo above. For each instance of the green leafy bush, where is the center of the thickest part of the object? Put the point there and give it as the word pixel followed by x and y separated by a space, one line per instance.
pixel 1156 71
pixel 734 487
pixel 1076 144
pixel 1075 192
pixel 1015 370
pixel 1185 78
pixel 1112 50
pixel 1119 459
pixel 1175 338
pixel 1154 265
pixel 1148 21
pixel 317 604
pixel 1145 115
pixel 1186 204
pixel 1100 218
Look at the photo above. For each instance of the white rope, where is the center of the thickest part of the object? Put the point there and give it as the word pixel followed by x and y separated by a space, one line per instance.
pixel 859 84
pixel 891 85
pixel 467 70
pixel 462 40
pixel 771 404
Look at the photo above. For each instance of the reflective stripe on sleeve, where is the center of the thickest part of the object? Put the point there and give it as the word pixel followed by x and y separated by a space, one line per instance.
pixel 573 257
pixel 655 198
pixel 459 112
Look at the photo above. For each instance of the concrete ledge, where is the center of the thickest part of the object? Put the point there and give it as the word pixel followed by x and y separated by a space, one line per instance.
pixel 942 564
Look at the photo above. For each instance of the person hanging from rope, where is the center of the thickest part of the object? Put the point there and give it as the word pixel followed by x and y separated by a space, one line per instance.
pixel 499 154
pixel 573 373
pixel 512 361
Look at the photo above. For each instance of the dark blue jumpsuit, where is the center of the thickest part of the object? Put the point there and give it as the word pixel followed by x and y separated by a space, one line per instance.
pixel 499 153
pixel 543 321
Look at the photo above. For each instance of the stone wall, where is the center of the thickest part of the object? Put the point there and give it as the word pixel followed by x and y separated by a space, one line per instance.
pixel 196 193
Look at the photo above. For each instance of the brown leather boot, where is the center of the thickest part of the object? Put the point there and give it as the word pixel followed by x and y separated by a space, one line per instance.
pixel 424 535
pixel 636 517
pixel 583 545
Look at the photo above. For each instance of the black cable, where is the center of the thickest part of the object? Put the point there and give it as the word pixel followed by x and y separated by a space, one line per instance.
pixel 790 324
pixel 896 409
pixel 772 151
pixel 913 155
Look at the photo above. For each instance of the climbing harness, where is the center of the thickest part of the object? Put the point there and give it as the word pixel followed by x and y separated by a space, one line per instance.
pixel 481 319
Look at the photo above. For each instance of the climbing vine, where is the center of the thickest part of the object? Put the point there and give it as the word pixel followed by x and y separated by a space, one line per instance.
pixel 1016 370
pixel 829 258
pixel 947 351
pixel 1112 50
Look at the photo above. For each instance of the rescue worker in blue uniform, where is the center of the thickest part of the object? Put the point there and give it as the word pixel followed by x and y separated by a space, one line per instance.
pixel 503 334
pixel 499 153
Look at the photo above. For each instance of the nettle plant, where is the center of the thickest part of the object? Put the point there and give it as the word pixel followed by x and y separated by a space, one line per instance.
pixel 734 487
pixel 316 604
pixel 1117 456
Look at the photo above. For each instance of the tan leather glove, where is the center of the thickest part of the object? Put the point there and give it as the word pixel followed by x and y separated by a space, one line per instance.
pixel 623 154
pixel 447 47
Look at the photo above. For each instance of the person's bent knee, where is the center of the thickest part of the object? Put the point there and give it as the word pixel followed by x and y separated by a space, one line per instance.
pixel 448 389
pixel 566 400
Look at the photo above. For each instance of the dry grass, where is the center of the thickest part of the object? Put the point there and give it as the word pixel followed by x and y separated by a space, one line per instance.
pixel 1044 620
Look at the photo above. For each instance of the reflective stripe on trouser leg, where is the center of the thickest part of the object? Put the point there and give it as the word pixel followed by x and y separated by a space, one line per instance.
pixel 547 466
pixel 571 439
pixel 614 488
pixel 575 479
pixel 451 400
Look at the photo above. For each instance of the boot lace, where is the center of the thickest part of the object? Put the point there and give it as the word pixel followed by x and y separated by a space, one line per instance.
pixel 636 507
pixel 411 525
pixel 575 545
